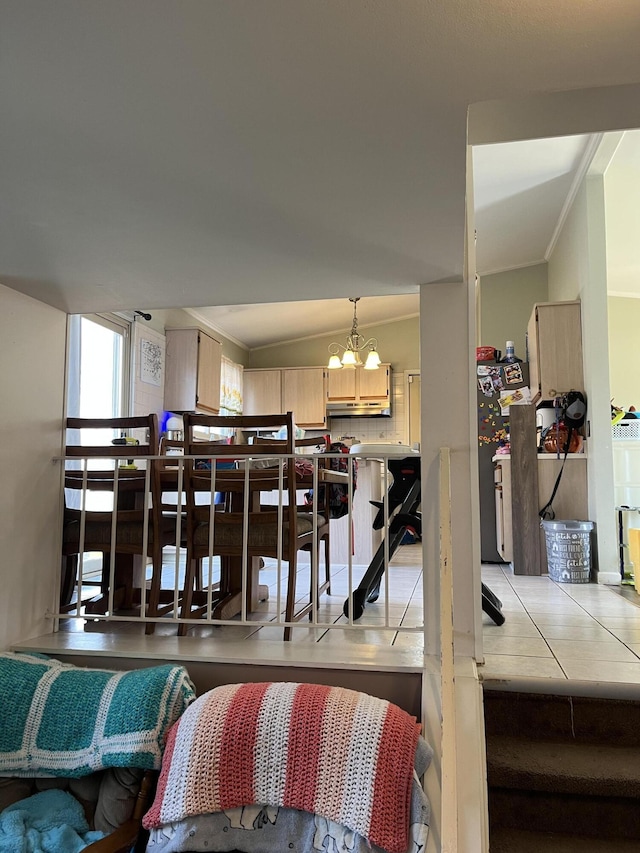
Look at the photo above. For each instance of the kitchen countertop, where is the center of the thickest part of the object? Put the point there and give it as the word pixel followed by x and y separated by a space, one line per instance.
pixel 500 456
pixel 380 450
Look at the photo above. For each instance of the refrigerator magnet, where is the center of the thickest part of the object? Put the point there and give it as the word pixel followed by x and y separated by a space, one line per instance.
pixel 486 385
pixel 512 374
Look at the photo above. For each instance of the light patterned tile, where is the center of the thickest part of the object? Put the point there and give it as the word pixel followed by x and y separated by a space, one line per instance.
pixel 502 666
pixel 614 622
pixel 509 628
pixel 516 646
pixel 587 650
pixel 612 671
pixel 409 641
pixel 357 636
pixel 542 619
pixel 520 617
pixel 627 635
pixel 578 632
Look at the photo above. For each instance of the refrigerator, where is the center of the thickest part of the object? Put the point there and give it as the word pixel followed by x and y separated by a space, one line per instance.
pixel 496 383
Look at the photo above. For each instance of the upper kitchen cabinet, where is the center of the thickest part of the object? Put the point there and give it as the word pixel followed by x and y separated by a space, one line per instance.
pixel 192 371
pixel 554 337
pixel 262 392
pixel 304 394
pixel 358 385
pixel 301 390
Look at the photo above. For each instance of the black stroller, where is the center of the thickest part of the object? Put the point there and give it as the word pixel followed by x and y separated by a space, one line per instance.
pixel 404 496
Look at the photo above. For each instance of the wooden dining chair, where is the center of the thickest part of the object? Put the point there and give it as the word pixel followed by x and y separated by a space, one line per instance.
pixel 117 526
pixel 246 529
pixel 318 502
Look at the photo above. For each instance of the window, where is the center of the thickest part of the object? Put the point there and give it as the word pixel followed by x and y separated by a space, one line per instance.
pixel 230 387
pixel 98 372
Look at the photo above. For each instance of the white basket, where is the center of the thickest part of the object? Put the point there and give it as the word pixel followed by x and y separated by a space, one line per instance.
pixel 628 429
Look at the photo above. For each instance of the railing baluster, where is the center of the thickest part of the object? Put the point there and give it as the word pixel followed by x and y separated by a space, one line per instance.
pixel 213 562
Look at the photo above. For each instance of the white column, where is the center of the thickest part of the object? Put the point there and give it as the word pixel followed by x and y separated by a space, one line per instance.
pixel 447 341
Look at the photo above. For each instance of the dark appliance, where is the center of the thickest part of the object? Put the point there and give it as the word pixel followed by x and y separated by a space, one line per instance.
pixel 493 378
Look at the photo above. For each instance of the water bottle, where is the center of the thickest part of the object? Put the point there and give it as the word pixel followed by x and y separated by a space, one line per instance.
pixel 510 353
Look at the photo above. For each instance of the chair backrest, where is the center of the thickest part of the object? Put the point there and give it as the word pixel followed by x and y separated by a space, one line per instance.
pixel 194 444
pixel 108 441
pixel 113 433
pixel 230 477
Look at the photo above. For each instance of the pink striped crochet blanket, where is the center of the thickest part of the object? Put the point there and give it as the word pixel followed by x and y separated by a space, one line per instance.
pixel 344 755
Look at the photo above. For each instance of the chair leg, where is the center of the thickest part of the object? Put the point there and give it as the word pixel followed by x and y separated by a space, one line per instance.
pixel 291 596
pixel 68 580
pixel 153 602
pixel 325 585
pixel 327 566
pixel 191 567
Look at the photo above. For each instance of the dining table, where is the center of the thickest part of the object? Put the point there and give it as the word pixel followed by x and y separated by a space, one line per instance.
pixel 227 598
pixel 129 570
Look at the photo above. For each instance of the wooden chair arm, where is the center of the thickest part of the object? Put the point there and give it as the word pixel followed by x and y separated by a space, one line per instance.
pixel 121 840
pixel 124 838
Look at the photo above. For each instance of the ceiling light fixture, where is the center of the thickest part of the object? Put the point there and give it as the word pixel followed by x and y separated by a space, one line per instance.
pixel 355 345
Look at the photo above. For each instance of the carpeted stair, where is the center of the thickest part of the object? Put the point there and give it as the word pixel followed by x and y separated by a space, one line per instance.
pixel 563 773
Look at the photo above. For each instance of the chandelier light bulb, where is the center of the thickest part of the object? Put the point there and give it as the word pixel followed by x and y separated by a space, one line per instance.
pixel 373 361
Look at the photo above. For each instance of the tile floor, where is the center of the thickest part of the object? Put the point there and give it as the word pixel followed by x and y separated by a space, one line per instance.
pixel 568 632
pixel 378 624
pixel 579 632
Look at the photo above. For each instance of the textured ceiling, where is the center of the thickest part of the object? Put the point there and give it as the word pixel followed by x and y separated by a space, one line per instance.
pixel 182 153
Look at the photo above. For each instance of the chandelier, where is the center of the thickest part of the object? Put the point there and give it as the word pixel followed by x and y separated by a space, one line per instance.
pixel 355 345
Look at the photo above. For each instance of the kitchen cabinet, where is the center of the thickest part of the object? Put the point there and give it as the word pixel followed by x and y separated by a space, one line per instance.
pixel 301 390
pixel 192 371
pixel 357 385
pixel 554 342
pixel 570 501
pixel 262 392
pixel 304 394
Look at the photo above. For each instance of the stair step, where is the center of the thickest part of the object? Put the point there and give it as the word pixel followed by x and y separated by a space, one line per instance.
pixel 577 718
pixel 559 765
pixel 521 841
pixel 565 767
pixel 548 811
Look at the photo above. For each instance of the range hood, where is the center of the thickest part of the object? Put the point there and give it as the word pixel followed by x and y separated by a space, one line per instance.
pixel 359 410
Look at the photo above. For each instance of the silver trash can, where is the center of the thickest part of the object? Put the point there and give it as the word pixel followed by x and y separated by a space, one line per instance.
pixel 568 550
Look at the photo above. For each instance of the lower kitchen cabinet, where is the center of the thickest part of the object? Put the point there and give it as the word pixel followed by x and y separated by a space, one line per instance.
pixel 570 501
pixel 301 390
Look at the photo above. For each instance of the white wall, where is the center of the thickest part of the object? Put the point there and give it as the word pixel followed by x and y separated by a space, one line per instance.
pixel 577 270
pixel 506 301
pixel 622 190
pixel 624 351
pixel 147 396
pixel 32 388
